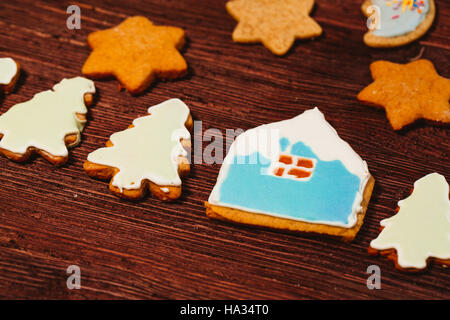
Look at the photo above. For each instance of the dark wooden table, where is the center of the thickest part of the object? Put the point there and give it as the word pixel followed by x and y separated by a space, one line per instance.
pixel 52 217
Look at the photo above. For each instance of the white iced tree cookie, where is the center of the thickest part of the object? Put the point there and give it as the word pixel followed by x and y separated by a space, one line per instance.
pixel 420 231
pixel 149 155
pixel 9 73
pixel 48 123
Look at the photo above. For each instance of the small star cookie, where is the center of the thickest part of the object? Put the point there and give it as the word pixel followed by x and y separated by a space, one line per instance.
pixel 9 74
pixel 136 52
pixel 408 92
pixel 275 23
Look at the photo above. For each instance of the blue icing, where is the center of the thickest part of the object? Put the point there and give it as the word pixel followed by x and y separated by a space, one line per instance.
pixel 327 196
pixel 284 143
pixel 301 149
pixel 394 21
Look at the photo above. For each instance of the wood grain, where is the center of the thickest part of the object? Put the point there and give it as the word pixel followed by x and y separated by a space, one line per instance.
pixel 53 217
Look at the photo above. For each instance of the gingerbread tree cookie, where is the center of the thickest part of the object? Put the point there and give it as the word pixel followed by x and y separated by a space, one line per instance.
pixel 408 92
pixel 48 123
pixel 136 52
pixel 149 154
pixel 420 231
pixel 9 74
pixel 275 23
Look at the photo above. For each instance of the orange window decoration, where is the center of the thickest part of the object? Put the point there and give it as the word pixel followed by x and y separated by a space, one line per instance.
pixel 299 173
pixel 306 163
pixel 279 172
pixel 293 167
pixel 286 159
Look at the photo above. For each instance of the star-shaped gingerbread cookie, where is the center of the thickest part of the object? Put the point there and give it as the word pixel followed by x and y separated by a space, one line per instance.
pixel 136 52
pixel 275 23
pixel 408 92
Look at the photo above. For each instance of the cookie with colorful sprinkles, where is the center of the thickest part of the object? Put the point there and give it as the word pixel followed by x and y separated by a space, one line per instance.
pixel 296 175
pixel 397 22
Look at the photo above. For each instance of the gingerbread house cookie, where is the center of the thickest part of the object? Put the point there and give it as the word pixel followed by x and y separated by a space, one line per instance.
pixel 296 175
